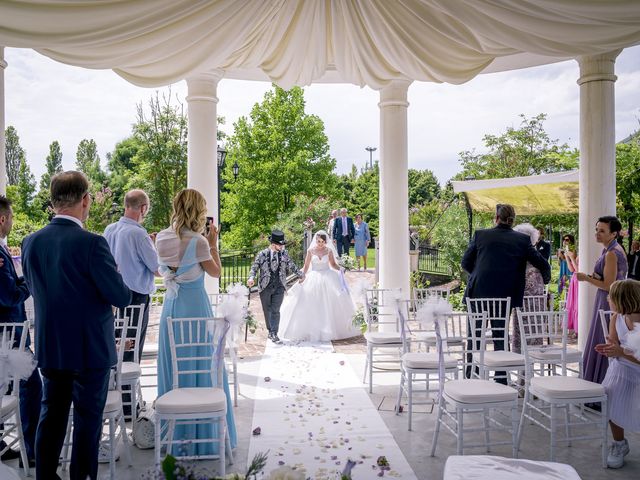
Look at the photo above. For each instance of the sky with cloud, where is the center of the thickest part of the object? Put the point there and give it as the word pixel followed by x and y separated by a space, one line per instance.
pixel 47 101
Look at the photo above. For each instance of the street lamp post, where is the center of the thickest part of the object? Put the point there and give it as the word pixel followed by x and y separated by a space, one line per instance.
pixel 222 155
pixel 370 150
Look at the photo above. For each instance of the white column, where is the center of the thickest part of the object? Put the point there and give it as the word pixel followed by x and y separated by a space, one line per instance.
pixel 202 164
pixel 3 161
pixel 597 168
pixel 394 187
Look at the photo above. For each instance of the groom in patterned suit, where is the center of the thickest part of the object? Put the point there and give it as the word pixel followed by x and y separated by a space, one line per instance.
pixel 274 264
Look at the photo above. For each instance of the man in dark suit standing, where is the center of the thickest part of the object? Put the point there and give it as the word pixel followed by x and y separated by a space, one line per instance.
pixel 343 232
pixel 74 281
pixel 542 246
pixel 13 293
pixel 496 261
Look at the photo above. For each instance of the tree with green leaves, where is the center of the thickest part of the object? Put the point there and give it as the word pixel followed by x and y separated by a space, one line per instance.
pixel 282 152
pixel 423 187
pixel 88 162
pixel 628 182
pixel 53 166
pixel 26 188
pixel 519 152
pixel 14 154
pixel 160 159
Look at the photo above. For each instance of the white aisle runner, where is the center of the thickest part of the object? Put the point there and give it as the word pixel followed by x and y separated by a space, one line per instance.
pixel 314 413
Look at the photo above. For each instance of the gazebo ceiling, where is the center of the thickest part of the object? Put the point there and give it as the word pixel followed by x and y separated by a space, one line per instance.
pixel 298 42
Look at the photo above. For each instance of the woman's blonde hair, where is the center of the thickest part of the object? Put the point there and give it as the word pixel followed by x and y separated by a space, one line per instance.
pixel 625 294
pixel 189 211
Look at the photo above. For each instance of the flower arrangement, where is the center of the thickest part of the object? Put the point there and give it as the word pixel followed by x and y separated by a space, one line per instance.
pixel 251 322
pixel 346 262
pixel 359 321
pixel 173 469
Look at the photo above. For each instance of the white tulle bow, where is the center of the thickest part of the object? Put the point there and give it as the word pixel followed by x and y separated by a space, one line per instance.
pixel 431 309
pixel 14 364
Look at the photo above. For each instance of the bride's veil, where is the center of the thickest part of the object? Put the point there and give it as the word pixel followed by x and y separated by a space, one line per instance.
pixel 330 244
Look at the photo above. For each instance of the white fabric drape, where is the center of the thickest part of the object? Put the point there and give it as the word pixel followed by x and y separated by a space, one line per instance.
pixel 297 42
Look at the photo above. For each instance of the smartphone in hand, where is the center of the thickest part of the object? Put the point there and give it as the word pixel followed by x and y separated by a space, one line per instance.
pixel 206 227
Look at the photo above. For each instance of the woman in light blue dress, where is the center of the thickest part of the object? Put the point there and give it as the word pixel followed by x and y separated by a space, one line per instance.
pixel 185 257
pixel 361 240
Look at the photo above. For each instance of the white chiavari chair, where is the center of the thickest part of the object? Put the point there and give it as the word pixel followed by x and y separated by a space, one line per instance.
pixel 197 352
pixel 382 336
pixel 545 396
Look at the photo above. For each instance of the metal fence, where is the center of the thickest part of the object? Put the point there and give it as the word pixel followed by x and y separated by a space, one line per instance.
pixel 430 261
pixel 235 266
pixel 237 263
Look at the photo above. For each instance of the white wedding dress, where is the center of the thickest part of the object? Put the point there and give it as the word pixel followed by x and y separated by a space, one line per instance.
pixel 319 309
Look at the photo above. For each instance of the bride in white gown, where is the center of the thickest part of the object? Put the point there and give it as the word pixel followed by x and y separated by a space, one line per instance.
pixel 320 308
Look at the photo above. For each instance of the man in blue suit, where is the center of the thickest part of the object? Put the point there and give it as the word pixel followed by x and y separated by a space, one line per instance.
pixel 74 281
pixel 343 232
pixel 496 261
pixel 13 293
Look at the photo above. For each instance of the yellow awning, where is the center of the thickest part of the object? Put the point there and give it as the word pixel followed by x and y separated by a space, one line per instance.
pixel 533 195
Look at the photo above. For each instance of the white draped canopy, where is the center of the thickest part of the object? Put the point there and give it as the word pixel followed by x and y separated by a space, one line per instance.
pixel 297 42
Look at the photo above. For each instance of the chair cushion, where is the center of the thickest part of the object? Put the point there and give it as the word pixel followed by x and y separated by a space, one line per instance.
pixel 427 360
pixel 9 404
pixel 114 401
pixel 501 359
pixel 131 371
pixel 192 400
pixel 479 391
pixel 383 337
pixel 430 338
pixel 559 386
pixel 555 354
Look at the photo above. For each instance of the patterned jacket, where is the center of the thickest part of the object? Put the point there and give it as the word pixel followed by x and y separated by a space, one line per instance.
pixel 262 263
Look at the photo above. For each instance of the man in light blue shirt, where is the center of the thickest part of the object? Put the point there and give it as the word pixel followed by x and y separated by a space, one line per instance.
pixel 136 256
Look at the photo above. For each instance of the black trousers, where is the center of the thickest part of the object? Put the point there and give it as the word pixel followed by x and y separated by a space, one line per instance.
pixel 497 331
pixel 87 389
pixel 271 298
pixel 343 243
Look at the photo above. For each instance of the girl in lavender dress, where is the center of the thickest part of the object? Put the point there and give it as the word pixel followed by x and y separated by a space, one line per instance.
pixel 622 382
pixel 611 266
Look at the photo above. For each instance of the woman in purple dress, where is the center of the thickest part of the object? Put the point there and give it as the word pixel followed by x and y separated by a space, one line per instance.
pixel 611 266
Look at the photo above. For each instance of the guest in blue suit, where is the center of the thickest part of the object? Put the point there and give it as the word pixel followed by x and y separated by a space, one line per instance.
pixel 13 293
pixel 343 232
pixel 74 281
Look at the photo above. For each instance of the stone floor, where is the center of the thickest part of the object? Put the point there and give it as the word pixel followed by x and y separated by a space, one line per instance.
pixel 415 444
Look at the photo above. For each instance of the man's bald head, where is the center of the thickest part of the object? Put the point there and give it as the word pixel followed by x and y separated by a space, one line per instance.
pixel 136 205
pixel 135 199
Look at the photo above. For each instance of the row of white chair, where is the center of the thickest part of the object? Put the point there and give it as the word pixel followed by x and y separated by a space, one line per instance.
pixel 462 349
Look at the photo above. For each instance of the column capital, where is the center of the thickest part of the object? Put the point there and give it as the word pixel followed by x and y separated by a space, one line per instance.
pixel 597 68
pixel 3 62
pixel 203 86
pixel 395 94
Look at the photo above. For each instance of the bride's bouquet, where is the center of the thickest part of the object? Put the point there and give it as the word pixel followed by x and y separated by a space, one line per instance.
pixel 346 262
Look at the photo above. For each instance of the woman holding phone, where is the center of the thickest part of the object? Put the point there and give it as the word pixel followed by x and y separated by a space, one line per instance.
pixel 611 266
pixel 187 251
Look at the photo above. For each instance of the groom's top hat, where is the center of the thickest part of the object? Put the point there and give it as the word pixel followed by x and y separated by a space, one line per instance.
pixel 277 237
